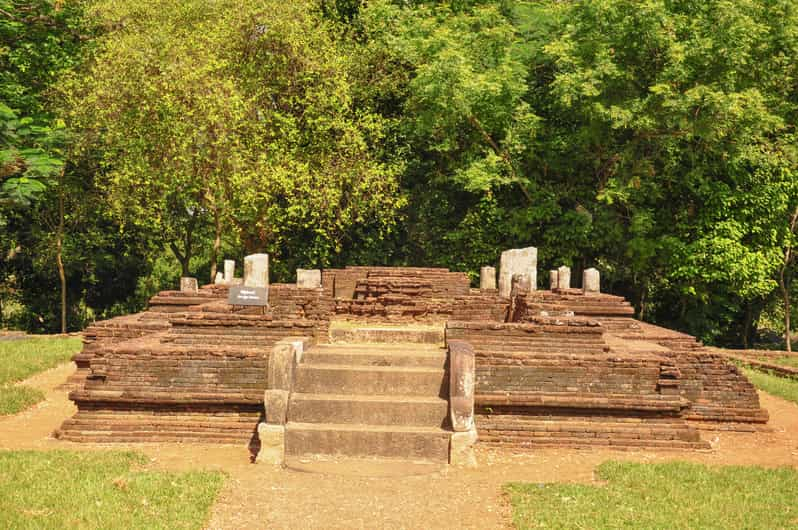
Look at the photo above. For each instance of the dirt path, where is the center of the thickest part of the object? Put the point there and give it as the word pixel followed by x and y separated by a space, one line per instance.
pixel 367 494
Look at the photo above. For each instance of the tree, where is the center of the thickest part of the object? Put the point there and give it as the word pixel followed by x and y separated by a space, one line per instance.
pixel 37 42
pixel 681 111
pixel 230 115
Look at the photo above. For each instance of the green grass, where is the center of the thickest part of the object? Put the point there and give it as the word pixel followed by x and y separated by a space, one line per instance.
pixel 15 398
pixel 788 361
pixel 20 359
pixel 63 489
pixel 672 495
pixel 772 384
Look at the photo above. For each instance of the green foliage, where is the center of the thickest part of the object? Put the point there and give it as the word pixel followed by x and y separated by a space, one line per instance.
pixel 38 41
pixel 686 123
pixel 654 140
pixel 61 489
pixel 671 495
pixel 230 109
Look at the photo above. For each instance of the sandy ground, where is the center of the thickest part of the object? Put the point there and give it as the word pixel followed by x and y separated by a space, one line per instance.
pixel 350 493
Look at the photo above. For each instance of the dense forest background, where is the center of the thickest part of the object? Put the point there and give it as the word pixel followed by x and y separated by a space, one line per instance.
pixel 652 139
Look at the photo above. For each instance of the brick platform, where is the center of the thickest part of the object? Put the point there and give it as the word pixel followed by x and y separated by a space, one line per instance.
pixel 552 368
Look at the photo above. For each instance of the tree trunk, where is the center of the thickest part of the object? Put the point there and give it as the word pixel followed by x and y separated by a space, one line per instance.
pixel 784 284
pixel 59 253
pixel 183 259
pixel 785 293
pixel 749 318
pixel 642 314
pixel 217 243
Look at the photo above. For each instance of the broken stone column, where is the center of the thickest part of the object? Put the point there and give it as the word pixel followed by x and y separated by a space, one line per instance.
pixel 256 271
pixel 272 444
pixel 487 279
pixel 219 278
pixel 564 277
pixel 189 285
pixel 308 278
pixel 229 270
pixel 517 261
pixel 591 281
pixel 553 279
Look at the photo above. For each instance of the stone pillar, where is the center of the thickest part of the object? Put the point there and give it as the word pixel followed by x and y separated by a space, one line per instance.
pixel 308 278
pixel 564 277
pixel 591 281
pixel 219 278
pixel 517 261
pixel 229 270
pixel 256 271
pixel 553 280
pixel 487 278
pixel 462 369
pixel 189 285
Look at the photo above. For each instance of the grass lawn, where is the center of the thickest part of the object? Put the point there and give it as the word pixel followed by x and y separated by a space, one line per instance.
pixel 671 495
pixel 64 489
pixel 19 359
pixel 778 386
pixel 792 362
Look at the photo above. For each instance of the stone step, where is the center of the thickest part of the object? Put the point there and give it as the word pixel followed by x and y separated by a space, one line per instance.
pixel 413 443
pixel 387 334
pixel 368 410
pixel 376 355
pixel 384 380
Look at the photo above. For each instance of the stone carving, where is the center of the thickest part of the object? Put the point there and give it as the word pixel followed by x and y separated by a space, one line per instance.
pixel 256 271
pixel 517 261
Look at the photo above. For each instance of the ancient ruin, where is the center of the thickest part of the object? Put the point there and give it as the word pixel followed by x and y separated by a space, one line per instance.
pixel 401 362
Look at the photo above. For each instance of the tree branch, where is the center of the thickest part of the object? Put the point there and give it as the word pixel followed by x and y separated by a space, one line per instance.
pixel 502 153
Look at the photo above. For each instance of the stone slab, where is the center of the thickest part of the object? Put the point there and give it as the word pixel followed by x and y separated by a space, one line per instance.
pixel 308 278
pixel 229 270
pixel 564 277
pixel 517 261
pixel 256 271
pixel 487 278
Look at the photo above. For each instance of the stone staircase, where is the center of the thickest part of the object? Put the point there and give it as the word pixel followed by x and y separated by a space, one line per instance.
pixel 372 399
